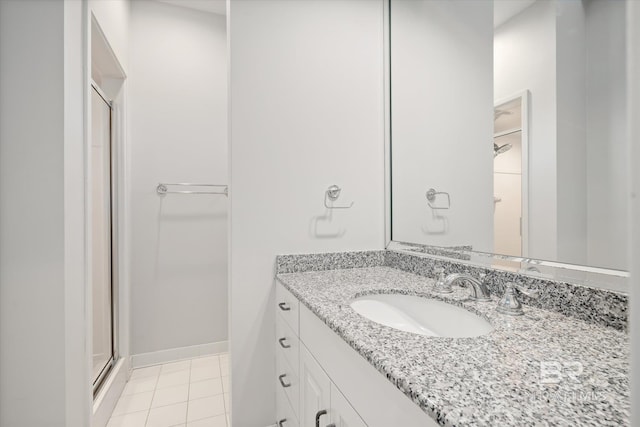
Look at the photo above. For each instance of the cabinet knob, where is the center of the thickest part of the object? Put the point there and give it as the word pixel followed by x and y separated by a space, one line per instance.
pixel 282 343
pixel 281 379
pixel 281 422
pixel 284 307
pixel 318 415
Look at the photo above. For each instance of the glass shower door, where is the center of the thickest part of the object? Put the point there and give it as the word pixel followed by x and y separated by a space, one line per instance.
pixel 101 237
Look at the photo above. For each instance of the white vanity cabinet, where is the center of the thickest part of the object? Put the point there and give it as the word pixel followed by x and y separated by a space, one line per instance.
pixel 342 413
pixel 321 403
pixel 287 359
pixel 318 371
pixel 315 391
pixel 305 397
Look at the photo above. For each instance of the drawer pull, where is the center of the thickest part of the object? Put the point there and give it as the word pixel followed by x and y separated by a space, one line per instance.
pixel 281 422
pixel 282 344
pixel 281 379
pixel 284 307
pixel 318 415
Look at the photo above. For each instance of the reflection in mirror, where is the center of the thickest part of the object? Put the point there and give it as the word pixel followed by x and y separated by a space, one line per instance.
pixel 516 110
pixel 510 148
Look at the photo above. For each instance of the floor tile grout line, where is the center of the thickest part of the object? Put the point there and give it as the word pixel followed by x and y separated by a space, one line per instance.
pixel 152 397
pixel 186 417
pixel 224 401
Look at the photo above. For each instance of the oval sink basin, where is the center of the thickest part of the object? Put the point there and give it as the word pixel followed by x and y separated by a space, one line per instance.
pixel 420 315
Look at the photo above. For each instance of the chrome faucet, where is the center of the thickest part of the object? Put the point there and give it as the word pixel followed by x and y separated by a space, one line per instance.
pixel 509 304
pixel 479 291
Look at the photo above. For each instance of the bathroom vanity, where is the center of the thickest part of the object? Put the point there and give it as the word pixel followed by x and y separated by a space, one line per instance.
pixel 315 367
pixel 500 116
pixel 336 367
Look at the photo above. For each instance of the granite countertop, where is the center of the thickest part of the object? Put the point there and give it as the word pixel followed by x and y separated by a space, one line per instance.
pixel 539 369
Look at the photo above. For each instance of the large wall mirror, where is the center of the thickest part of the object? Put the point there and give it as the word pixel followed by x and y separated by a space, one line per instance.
pixel 509 129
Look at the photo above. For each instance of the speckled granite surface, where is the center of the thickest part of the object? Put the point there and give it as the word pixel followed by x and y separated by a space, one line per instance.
pixel 328 261
pixel 601 306
pixel 542 369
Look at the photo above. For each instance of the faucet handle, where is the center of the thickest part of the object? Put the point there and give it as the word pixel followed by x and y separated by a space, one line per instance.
pixel 531 293
pixel 509 303
pixel 441 286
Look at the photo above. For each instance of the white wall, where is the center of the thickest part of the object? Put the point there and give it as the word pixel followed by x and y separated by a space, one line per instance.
pixel 525 59
pixel 178 124
pixel 306 113
pixel 442 116
pixel 571 132
pixel 606 123
pixel 113 16
pixel 43 375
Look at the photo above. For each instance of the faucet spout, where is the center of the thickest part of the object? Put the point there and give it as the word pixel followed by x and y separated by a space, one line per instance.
pixel 479 291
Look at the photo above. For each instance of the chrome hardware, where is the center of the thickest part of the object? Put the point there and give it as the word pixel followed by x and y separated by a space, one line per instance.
pixel 441 287
pixel 479 291
pixel 318 415
pixel 284 307
pixel 282 383
pixel 282 344
pixel 281 422
pixel 509 303
pixel 163 189
pixel 332 194
pixel 431 198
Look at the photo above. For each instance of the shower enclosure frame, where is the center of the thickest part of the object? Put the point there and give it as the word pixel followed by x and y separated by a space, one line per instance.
pixel 114 255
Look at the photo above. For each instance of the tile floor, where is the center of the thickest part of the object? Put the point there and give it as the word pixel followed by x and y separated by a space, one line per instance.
pixel 191 393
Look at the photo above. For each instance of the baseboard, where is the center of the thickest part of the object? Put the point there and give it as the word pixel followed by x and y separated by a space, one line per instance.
pixel 106 400
pixel 174 354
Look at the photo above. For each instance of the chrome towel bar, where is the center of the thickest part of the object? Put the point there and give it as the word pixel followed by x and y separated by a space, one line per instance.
pixel 164 188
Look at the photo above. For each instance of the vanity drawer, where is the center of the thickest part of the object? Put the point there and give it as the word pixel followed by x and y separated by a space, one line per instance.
pixel 287 343
pixel 287 381
pixel 286 417
pixel 287 306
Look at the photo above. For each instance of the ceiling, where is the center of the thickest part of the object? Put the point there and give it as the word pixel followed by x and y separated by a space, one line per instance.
pixel 503 10
pixel 211 6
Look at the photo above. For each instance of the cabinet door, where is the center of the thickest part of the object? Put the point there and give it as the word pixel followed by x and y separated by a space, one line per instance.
pixel 288 381
pixel 342 413
pixel 285 414
pixel 315 389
